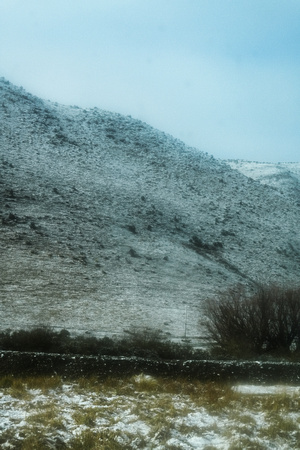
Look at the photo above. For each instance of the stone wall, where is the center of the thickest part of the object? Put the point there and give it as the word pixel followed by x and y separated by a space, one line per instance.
pixel 74 366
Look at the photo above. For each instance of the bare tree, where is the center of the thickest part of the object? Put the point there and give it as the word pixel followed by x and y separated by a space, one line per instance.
pixel 266 322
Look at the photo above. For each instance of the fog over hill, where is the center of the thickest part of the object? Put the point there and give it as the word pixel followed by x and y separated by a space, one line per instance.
pixel 106 222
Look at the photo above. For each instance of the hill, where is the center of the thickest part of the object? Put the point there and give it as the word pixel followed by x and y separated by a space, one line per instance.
pixel 283 177
pixel 106 222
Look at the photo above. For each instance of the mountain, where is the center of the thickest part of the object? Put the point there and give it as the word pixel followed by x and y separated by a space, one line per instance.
pixel 107 223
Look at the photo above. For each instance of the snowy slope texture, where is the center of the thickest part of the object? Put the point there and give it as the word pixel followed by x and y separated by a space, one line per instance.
pixel 107 223
pixel 283 177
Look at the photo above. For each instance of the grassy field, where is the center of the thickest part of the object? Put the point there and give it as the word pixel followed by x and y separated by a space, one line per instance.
pixel 144 412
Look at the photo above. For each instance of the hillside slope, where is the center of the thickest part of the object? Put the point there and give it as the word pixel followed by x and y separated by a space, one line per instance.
pixel 283 177
pixel 107 222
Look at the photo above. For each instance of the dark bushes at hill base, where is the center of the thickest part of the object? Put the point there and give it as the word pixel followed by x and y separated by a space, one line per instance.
pixel 145 343
pixel 266 323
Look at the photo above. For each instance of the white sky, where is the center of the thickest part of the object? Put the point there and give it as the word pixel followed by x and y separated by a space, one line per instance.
pixel 221 75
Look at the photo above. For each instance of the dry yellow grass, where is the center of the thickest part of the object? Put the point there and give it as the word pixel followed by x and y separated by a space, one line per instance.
pixel 136 411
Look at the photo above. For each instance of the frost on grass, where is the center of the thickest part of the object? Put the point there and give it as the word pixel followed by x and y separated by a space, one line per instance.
pixel 146 412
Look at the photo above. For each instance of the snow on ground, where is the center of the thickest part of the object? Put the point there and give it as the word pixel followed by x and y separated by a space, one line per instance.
pixel 142 413
pixel 265 389
pixel 283 177
pixel 107 223
pixel 264 171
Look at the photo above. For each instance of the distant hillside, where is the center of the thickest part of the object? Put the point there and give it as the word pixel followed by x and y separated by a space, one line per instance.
pixel 106 222
pixel 284 177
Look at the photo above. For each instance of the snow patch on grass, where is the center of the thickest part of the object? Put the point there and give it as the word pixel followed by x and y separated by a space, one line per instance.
pixel 147 412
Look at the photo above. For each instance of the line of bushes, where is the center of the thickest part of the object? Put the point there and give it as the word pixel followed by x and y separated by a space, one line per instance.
pixel 238 325
pixel 145 343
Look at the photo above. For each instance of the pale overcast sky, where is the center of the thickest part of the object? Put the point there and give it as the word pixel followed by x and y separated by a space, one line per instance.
pixel 221 75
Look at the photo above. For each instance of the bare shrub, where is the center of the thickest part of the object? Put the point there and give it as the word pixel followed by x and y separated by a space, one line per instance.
pixel 40 339
pixel 266 322
pixel 154 343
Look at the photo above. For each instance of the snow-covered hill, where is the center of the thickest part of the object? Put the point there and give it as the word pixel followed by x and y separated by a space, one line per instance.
pixel 107 222
pixel 283 177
